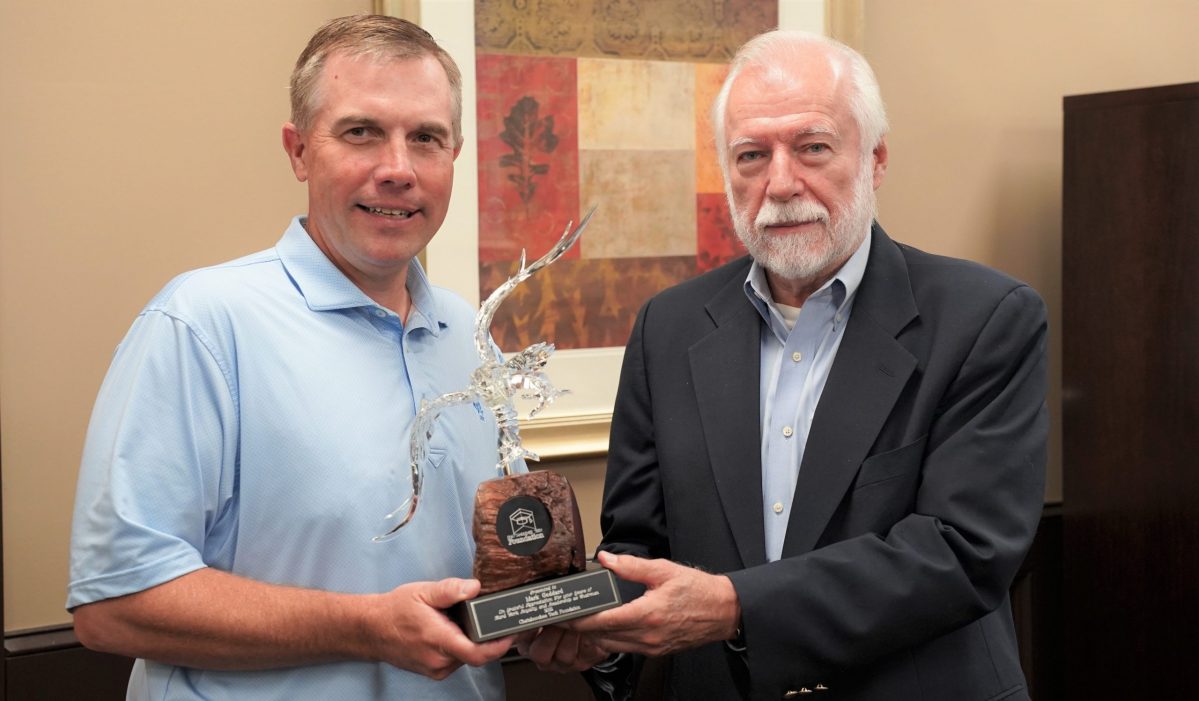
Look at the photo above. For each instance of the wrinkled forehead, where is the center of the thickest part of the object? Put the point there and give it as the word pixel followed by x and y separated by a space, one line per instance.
pixel 800 79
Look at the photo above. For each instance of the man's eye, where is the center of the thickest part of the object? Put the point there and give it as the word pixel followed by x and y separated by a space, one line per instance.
pixel 357 133
pixel 816 148
pixel 426 139
pixel 748 156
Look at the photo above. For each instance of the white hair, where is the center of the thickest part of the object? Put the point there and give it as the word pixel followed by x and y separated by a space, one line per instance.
pixel 775 47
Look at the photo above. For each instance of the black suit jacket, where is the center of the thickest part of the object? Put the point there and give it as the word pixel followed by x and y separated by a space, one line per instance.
pixel 920 490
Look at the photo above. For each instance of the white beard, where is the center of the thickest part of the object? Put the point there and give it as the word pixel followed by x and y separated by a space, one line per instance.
pixel 807 257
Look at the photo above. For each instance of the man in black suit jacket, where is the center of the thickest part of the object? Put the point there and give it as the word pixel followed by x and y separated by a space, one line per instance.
pixel 904 419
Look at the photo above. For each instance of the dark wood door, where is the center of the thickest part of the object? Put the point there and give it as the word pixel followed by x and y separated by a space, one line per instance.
pixel 1130 342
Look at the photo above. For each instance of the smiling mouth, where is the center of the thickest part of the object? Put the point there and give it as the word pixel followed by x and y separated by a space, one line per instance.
pixel 394 213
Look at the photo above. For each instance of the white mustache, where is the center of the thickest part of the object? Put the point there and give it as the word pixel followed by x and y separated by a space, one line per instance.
pixel 791 212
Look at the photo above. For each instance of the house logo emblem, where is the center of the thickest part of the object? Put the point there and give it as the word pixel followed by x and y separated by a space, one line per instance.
pixel 523 525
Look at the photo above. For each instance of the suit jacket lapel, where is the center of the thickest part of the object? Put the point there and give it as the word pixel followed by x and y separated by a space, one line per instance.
pixel 866 379
pixel 725 369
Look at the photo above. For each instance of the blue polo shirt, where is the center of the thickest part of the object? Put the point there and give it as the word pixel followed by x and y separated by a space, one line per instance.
pixel 255 420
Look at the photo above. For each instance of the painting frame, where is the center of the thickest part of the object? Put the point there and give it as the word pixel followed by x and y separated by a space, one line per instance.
pixel 576 425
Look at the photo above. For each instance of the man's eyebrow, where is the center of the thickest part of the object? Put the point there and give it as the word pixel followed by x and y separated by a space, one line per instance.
pixel 741 141
pixel 812 130
pixel 358 120
pixel 435 128
pixel 816 130
pixel 353 120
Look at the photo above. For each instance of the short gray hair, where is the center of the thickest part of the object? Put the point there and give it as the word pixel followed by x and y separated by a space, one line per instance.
pixel 374 36
pixel 865 100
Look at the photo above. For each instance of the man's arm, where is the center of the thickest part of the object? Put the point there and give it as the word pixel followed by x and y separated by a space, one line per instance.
pixel 216 620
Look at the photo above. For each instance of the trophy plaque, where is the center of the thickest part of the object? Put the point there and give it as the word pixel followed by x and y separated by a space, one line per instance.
pixel 529 552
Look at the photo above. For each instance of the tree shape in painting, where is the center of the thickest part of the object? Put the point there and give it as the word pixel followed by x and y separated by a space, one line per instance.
pixel 526 133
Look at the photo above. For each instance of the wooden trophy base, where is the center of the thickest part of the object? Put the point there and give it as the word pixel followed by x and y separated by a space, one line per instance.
pixel 530 558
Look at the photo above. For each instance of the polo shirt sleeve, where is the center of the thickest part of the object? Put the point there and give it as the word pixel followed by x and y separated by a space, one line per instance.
pixel 155 497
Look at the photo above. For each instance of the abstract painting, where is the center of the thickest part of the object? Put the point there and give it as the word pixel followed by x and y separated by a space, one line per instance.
pixel 604 103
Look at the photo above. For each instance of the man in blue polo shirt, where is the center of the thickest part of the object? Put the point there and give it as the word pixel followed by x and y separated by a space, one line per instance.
pixel 252 431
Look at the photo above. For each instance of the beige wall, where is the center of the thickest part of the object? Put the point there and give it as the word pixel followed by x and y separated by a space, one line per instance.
pixel 139 139
pixel 974 91
pixel 126 156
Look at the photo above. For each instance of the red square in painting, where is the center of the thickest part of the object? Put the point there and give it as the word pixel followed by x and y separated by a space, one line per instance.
pixel 716 243
pixel 528 154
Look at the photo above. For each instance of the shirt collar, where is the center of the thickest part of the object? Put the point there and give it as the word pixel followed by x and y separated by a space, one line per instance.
pixel 326 288
pixel 841 286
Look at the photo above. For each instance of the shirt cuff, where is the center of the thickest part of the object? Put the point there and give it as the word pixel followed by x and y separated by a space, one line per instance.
pixel 609 665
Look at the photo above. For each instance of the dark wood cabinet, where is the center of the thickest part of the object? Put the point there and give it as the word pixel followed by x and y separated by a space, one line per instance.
pixel 1130 388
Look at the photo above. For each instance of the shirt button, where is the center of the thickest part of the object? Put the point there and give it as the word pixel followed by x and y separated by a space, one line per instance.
pixel 797 356
pixel 380 313
pixel 788 431
pixel 778 507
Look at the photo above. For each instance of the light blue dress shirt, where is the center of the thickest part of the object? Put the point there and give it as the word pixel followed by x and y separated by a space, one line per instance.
pixel 795 366
pixel 255 420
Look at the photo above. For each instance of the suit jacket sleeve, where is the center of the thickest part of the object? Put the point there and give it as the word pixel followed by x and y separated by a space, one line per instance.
pixel 633 518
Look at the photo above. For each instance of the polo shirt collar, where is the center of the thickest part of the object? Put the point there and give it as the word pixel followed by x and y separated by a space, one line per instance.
pixel 326 288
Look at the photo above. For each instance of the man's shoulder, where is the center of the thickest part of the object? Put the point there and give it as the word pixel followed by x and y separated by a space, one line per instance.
pixel 949 294
pixel 935 275
pixel 215 284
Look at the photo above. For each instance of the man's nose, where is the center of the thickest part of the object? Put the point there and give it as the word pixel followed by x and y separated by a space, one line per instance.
pixel 785 176
pixel 395 166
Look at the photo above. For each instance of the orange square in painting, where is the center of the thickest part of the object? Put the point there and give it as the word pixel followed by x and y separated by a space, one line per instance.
pixel 528 154
pixel 708 79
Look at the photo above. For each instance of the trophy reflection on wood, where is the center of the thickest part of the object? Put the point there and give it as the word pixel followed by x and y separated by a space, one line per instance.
pixel 529 551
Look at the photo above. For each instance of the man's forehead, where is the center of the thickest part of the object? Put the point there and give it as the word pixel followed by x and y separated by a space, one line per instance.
pixel 818 74
pixel 364 84
pixel 343 59
pixel 809 90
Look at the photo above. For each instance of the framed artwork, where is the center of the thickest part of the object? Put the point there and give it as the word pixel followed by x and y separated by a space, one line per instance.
pixel 569 104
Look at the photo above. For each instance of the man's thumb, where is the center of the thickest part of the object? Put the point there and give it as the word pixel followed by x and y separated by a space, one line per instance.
pixel 630 567
pixel 448 592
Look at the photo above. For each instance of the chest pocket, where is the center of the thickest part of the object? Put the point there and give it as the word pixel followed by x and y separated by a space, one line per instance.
pixel 892 465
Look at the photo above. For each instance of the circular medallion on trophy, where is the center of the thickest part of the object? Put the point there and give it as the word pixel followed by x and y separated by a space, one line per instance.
pixel 523 525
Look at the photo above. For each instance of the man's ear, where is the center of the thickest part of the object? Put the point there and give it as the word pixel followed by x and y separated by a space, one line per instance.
pixel 293 144
pixel 880 162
